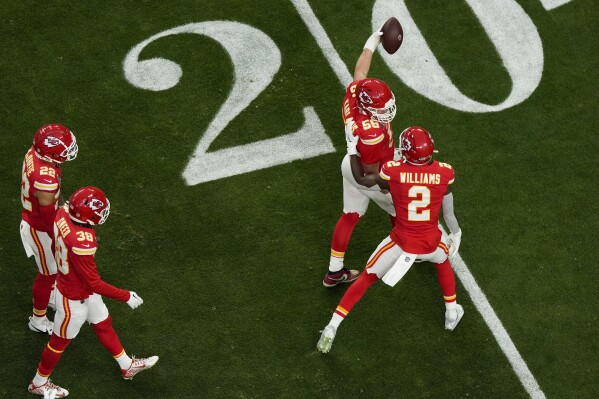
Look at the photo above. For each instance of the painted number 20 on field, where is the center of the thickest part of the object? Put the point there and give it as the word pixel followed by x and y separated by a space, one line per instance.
pixel 256 59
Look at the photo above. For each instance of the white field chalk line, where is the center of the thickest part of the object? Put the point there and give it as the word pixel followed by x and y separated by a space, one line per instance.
pixel 499 332
pixel 467 279
pixel 314 26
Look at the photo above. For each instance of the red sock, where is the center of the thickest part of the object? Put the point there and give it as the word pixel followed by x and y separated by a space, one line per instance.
pixel 355 292
pixel 42 287
pixel 446 280
pixel 51 355
pixel 343 230
pixel 392 220
pixel 107 337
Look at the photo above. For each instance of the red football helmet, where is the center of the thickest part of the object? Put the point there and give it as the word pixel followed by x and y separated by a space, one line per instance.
pixel 416 145
pixel 375 97
pixel 55 143
pixel 89 205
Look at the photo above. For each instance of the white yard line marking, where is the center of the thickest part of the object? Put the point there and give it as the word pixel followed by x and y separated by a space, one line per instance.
pixel 551 4
pixel 499 332
pixel 314 26
pixel 478 297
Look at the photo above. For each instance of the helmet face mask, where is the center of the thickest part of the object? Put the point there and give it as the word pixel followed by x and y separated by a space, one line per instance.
pixel 55 143
pixel 416 145
pixel 89 205
pixel 375 98
pixel 385 114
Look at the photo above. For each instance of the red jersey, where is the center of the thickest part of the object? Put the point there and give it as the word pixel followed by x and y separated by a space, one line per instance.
pixel 76 247
pixel 376 139
pixel 417 193
pixel 43 176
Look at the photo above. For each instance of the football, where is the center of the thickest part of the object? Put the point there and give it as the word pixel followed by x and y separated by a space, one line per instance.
pixel 392 35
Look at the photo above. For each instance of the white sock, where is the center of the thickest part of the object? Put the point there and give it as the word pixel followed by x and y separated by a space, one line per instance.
pixel 335 321
pixel 335 264
pixel 451 305
pixel 38 380
pixel 124 361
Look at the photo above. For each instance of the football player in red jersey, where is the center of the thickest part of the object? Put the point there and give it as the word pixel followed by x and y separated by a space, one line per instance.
pixel 420 187
pixel 368 109
pixel 79 290
pixel 40 190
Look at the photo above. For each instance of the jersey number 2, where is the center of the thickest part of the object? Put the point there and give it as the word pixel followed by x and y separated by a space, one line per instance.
pixel 423 200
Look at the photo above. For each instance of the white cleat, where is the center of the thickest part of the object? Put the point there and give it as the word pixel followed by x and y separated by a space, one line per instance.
pixel 326 339
pixel 453 317
pixel 138 365
pixel 42 326
pixel 48 390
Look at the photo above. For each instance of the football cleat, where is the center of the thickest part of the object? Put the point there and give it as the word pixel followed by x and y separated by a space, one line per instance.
pixel 139 365
pixel 48 390
pixel 43 326
pixel 453 317
pixel 326 339
pixel 342 276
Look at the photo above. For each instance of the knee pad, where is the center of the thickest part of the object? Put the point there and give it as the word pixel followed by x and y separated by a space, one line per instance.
pixel 351 217
pixel 58 344
pixel 103 326
pixel 46 279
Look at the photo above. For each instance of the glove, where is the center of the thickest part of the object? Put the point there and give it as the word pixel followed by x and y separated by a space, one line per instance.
pixel 351 139
pixel 134 300
pixel 397 155
pixel 373 40
pixel 454 243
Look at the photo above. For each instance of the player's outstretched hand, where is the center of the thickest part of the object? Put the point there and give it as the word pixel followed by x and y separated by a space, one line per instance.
pixel 350 138
pixel 454 243
pixel 134 300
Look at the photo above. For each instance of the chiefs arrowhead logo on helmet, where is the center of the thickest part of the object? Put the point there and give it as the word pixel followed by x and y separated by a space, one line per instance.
pixel 365 98
pixel 95 204
pixel 406 145
pixel 52 142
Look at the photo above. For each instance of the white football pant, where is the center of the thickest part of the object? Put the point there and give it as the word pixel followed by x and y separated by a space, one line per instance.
pixel 387 253
pixel 39 245
pixel 71 314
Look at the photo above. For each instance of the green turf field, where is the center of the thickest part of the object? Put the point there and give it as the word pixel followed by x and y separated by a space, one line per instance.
pixel 230 269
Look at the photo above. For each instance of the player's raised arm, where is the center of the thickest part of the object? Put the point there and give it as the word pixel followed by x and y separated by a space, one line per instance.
pixel 365 59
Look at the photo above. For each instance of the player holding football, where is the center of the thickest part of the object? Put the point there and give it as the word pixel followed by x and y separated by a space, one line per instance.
pixel 80 290
pixel 420 187
pixel 369 107
pixel 40 190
